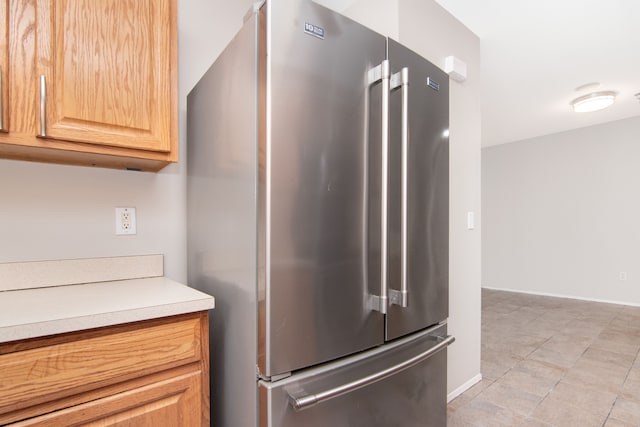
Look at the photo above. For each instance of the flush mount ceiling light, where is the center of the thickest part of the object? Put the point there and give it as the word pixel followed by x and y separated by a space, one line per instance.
pixel 593 102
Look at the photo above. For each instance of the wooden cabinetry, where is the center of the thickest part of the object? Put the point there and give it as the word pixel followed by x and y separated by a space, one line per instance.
pixel 92 83
pixel 4 38
pixel 144 374
pixel 164 403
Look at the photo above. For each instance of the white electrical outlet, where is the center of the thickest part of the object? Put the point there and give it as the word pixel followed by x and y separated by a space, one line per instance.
pixel 125 221
pixel 622 276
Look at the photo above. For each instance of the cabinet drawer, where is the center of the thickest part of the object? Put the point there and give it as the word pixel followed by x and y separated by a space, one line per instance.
pixel 96 359
pixel 172 402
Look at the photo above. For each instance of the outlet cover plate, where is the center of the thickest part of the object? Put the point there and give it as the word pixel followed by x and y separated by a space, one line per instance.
pixel 125 221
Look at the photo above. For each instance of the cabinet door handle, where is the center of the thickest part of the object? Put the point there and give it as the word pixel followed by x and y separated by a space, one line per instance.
pixel 2 129
pixel 43 106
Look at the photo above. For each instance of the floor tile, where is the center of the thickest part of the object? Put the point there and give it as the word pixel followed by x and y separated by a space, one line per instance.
pixel 480 412
pixel 620 343
pixel 468 395
pixel 609 357
pixel 554 362
pixel 528 381
pixel 544 328
pixel 532 422
pixel 612 422
pixel 519 350
pixel 542 369
pixel 569 345
pixel 631 389
pixel 560 413
pixel 627 411
pixel 591 399
pixel 493 371
pixel 610 380
pixel 599 368
pixel 554 357
pixel 583 328
pixel 513 398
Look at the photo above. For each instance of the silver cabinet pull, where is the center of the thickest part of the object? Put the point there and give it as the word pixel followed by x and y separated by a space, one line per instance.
pixel 381 74
pixel 401 80
pixel 2 129
pixel 303 400
pixel 43 106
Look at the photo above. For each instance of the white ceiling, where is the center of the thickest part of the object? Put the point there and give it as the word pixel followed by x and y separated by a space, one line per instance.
pixel 535 53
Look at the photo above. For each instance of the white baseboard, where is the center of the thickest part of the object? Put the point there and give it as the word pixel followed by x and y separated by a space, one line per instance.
pixel 464 387
pixel 545 294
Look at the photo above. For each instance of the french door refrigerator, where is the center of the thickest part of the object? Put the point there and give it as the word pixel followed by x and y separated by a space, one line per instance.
pixel 318 165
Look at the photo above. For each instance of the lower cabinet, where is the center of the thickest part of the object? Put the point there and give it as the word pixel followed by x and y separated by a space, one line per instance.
pixel 165 403
pixel 151 373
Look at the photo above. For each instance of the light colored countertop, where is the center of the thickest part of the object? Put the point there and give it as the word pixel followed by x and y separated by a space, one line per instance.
pixel 37 312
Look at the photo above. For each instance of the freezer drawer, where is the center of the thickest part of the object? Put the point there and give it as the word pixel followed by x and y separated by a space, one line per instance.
pixel 401 382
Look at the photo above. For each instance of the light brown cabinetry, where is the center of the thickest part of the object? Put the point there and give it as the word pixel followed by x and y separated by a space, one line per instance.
pixel 4 37
pixel 144 374
pixel 92 83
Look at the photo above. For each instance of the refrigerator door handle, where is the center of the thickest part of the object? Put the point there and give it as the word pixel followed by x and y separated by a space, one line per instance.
pixel 381 74
pixel 301 400
pixel 401 80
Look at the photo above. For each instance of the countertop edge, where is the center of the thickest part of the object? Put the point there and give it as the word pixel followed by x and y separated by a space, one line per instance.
pixel 98 314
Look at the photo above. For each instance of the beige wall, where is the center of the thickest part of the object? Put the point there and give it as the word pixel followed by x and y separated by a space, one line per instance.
pixel 54 211
pixel 561 213
pixel 57 212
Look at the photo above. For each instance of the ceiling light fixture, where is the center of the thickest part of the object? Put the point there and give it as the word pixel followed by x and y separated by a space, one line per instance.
pixel 593 102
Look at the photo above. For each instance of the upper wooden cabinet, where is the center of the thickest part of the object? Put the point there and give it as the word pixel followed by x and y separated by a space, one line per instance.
pixel 106 70
pixel 92 82
pixel 4 38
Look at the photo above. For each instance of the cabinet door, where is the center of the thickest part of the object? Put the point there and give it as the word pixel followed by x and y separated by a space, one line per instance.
pixel 4 63
pixel 173 402
pixel 107 72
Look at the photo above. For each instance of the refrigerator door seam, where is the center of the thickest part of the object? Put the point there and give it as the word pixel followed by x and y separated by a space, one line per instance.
pixel 272 378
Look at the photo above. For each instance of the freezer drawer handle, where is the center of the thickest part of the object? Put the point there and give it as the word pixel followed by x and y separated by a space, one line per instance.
pixel 382 74
pixel 301 400
pixel 401 80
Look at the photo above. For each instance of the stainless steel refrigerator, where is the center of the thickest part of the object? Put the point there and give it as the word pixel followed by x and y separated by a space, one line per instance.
pixel 318 168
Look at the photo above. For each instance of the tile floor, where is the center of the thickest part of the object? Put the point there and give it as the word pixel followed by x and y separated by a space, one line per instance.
pixel 554 362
